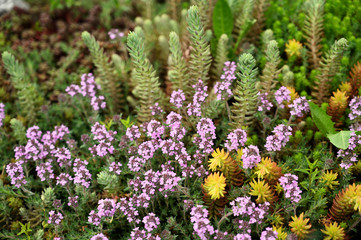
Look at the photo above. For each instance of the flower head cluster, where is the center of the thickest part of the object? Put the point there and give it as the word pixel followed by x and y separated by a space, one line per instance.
pixel 269 234
pixel 249 212
pixel 155 129
pixel 299 107
pixel 282 95
pixel 223 88
pixel 133 133
pixel 236 139
pixel 88 88
pixel 127 207
pixel 280 138
pixel 99 236
pixel 73 201
pixel 200 95
pixel 45 171
pixel 151 222
pixel 201 223
pixel 355 107
pixel 177 98
pixel 16 173
pixel 250 157
pixel 106 207
pixel 104 138
pixel 115 33
pixel 115 167
pixel 63 179
pixel 82 175
pixel 290 185
pixel 2 113
pixel 207 132
pixel 265 104
pixel 349 155
pixel 156 109
pixel 55 218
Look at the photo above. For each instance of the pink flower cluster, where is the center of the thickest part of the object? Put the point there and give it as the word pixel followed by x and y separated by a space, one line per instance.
pixel 115 33
pixel 151 222
pixel 138 234
pixel 223 88
pixel 2 113
pixel 355 107
pixel 156 109
pixel 45 171
pixel 250 157
pixel 106 208
pixel 177 98
pixel 349 155
pixel 115 167
pixel 280 138
pixel 200 95
pixel 269 234
pixel 55 218
pixel 207 133
pixel 201 223
pixel 299 107
pixel 88 88
pixel 99 236
pixel 133 133
pixel 250 213
pixel 16 173
pixel 104 138
pixel 264 105
pixel 236 139
pixel 282 95
pixel 82 175
pixel 290 185
pixel 73 201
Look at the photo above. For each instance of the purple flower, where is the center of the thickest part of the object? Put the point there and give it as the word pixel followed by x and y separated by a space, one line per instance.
pixel 73 201
pixel 106 207
pixel 199 97
pixel 45 171
pixel 207 132
pixel 242 236
pixel 138 234
pixel 63 156
pixel 94 218
pixel 155 129
pixel 299 107
pixel 282 95
pixel 33 133
pixel 115 167
pixel 156 109
pixel 290 185
pixel 2 113
pixel 82 176
pixel 223 90
pixel 136 163
pixel 133 133
pixel 151 222
pixel 73 90
pixel 250 157
pixel 280 138
pixel 99 236
pixel 201 224
pixel 55 218
pixel 236 139
pixel 63 179
pixel 269 234
pixel 59 132
pixel 265 105
pixel 98 103
pixel 127 208
pixel 16 173
pixel 355 107
pixel 115 33
pixel 177 98
pixel 147 149
pixel 173 119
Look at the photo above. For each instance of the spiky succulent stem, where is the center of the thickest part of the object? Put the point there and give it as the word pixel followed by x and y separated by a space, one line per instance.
pixel 313 30
pixel 147 89
pixel 270 71
pixel 221 56
pixel 245 107
pixel 200 57
pixel 328 68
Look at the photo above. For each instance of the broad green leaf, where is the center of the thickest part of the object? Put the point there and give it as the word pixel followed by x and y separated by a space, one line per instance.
pixel 322 120
pixel 222 19
pixel 340 139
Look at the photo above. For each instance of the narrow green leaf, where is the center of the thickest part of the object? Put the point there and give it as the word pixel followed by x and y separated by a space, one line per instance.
pixel 322 120
pixel 340 139
pixel 222 19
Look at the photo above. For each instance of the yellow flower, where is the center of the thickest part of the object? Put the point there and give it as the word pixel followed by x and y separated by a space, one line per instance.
pixel 268 170
pixel 339 99
pixel 217 162
pixel 281 234
pixel 215 185
pixel 262 191
pixel 293 94
pixel 329 178
pixel 334 232
pixel 299 226
pixel 345 87
pixel 293 48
